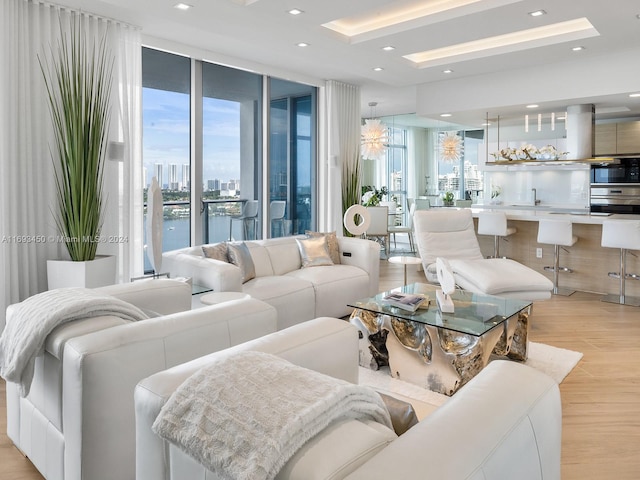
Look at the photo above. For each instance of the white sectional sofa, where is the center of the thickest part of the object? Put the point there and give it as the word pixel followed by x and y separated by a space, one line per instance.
pixel 504 424
pixel 297 293
pixel 77 423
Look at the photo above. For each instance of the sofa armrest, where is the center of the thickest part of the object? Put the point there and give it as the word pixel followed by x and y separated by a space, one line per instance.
pixel 505 423
pixel 159 295
pixel 327 345
pixel 364 254
pixel 101 370
pixel 215 274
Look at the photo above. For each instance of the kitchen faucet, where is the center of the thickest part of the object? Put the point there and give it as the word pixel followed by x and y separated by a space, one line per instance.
pixel 535 200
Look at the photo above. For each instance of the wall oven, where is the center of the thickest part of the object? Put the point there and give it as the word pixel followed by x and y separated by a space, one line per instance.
pixel 615 188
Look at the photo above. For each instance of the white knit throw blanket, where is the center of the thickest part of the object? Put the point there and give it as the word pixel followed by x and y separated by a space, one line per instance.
pixel 30 321
pixel 244 416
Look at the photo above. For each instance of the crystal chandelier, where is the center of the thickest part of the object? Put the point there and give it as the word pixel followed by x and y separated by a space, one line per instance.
pixel 451 147
pixel 374 137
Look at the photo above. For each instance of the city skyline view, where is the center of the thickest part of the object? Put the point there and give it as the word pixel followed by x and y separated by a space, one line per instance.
pixel 166 136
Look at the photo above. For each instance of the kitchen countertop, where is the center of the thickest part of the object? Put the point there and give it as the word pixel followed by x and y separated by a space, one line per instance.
pixel 533 214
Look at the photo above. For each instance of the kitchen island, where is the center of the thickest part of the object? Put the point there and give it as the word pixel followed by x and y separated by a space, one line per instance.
pixel 589 261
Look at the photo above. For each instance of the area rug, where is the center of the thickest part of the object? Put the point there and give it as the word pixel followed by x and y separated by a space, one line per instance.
pixel 555 362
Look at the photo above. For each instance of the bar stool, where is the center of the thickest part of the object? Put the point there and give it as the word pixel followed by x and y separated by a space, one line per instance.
pixel 494 223
pixel 625 235
pixel 249 215
pixel 557 233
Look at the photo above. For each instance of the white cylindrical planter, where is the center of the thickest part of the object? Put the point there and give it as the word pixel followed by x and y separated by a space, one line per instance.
pixel 99 272
pixel 580 136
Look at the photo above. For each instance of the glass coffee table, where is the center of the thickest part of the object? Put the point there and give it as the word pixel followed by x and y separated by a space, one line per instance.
pixel 440 351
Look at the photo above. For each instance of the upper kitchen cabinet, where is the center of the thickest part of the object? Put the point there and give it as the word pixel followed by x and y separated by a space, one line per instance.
pixel 617 138
pixel 605 141
pixel 628 138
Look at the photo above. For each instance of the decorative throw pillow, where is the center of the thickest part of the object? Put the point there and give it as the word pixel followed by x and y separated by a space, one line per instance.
pixel 240 256
pixel 217 251
pixel 314 251
pixel 332 244
pixel 402 414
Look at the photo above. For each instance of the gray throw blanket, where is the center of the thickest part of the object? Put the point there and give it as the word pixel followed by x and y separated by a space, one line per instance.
pixel 245 415
pixel 30 321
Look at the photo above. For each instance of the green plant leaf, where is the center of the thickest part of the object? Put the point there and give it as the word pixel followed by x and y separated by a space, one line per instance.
pixel 78 79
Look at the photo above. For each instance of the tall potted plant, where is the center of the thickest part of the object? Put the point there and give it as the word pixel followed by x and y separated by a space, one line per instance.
pixel 78 80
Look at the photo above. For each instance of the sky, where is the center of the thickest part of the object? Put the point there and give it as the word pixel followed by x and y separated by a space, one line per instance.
pixel 165 117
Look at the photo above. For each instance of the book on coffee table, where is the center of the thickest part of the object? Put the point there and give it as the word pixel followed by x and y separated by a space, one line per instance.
pixel 406 301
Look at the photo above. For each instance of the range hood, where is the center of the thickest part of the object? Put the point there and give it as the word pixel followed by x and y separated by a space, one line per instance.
pixel 580 124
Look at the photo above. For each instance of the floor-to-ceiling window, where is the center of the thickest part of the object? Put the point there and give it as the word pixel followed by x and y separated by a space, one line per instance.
pixel 231 152
pixel 292 158
pixel 166 86
pixel 458 173
pixel 211 155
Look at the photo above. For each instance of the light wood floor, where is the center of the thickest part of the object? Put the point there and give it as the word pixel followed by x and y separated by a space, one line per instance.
pixel 600 397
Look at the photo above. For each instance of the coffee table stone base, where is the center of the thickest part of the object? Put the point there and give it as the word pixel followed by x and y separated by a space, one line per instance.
pixel 432 357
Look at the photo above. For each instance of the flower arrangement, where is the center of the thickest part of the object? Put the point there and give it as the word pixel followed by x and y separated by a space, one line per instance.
pixel 371 196
pixel 528 152
pixel 447 198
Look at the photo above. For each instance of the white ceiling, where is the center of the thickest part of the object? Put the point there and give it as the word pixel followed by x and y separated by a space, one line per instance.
pixel 262 32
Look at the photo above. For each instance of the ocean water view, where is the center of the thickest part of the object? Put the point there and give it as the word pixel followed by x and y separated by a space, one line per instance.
pixel 175 233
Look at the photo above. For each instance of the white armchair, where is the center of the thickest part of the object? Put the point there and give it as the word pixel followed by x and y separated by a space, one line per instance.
pixel 77 423
pixel 450 234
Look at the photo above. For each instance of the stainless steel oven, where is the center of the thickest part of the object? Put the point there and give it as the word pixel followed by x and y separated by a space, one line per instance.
pixel 615 187
pixel 618 198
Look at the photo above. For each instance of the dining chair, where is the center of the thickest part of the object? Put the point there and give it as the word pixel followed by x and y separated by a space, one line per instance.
pixel 379 226
pixel 422 203
pixel 407 228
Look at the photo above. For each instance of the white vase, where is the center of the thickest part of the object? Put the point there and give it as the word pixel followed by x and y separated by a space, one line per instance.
pixel 90 274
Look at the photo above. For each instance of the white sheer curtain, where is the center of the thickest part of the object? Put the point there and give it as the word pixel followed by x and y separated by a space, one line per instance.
pixel 343 146
pixel 27 191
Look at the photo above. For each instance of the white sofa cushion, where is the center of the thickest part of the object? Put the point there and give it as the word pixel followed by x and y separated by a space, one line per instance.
pixel 284 254
pixel 335 286
pixel 337 451
pixel 293 298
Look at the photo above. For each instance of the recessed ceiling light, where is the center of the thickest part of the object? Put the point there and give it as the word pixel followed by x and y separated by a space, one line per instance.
pixel 577 49
pixel 182 6
pixel 485 124
pixel 634 95
pixel 378 69
pixel 533 105
pixel 537 13
pixel 302 44
pixel 445 114
pixel 388 48
pixel 295 11
pixel 447 71
pixel 638 16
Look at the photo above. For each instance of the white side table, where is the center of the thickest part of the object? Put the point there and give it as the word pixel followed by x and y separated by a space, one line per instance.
pixel 405 260
pixel 214 298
